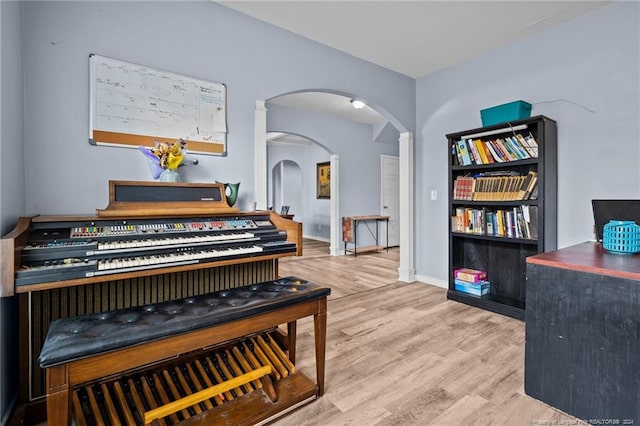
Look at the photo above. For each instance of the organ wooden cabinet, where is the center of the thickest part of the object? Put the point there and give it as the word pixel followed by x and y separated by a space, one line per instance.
pixel 131 255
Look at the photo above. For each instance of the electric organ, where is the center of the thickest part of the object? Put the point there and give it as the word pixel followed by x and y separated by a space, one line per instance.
pixel 152 302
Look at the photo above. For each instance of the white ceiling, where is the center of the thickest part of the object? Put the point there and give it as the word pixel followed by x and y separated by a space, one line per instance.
pixel 331 104
pixel 414 38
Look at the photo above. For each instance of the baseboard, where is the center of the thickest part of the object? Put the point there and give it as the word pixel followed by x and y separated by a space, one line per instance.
pixel 436 282
pixel 313 237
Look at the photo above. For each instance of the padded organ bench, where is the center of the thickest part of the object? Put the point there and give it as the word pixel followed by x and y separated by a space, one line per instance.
pixel 82 349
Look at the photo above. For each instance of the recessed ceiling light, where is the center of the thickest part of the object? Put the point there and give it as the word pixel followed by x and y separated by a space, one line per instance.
pixel 357 104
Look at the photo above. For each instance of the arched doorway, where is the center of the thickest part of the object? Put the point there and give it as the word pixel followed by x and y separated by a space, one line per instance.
pixel 285 195
pixel 291 165
pixel 406 178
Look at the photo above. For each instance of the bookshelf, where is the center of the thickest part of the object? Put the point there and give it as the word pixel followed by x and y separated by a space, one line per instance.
pixel 502 207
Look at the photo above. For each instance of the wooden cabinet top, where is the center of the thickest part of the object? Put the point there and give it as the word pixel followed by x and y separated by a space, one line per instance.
pixel 591 257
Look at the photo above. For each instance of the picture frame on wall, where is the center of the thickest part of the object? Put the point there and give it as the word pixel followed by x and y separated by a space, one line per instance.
pixel 323 180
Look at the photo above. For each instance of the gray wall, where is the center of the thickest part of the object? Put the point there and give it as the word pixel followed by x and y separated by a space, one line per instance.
pixel 12 189
pixel 199 39
pixel 359 163
pixel 584 74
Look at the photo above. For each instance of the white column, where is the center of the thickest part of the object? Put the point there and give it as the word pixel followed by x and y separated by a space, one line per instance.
pixel 260 141
pixel 336 226
pixel 406 270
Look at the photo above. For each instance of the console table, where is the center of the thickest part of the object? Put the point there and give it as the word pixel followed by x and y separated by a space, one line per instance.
pixel 583 333
pixel 350 232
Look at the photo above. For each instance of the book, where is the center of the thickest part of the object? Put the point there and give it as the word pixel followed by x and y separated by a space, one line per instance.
pixel 533 186
pixel 507 147
pixel 509 228
pixel 501 223
pixel 489 223
pixel 476 289
pixel 499 143
pixel 463 188
pixel 501 150
pixel 464 153
pixel 522 229
pixel 526 215
pixel 532 144
pixel 481 152
pixel 524 186
pixel 525 144
pixel 519 150
pixel 487 152
pixel 456 224
pixel 475 155
pixel 469 275
pixel 533 223
pixel 497 156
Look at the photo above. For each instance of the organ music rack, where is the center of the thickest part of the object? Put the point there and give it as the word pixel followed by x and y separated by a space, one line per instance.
pixel 40 302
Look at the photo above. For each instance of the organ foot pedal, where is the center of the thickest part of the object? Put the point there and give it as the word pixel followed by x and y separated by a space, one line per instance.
pixel 247 382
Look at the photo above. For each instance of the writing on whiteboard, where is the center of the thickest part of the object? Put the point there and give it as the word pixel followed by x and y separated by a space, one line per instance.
pixel 137 100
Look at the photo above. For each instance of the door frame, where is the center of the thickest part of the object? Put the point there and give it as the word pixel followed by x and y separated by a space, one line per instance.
pixel 382 178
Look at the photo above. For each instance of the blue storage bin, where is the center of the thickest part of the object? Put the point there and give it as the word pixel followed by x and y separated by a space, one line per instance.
pixel 621 236
pixel 512 111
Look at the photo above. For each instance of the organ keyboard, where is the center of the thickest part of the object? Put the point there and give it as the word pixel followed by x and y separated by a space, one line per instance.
pixel 58 250
pixel 131 254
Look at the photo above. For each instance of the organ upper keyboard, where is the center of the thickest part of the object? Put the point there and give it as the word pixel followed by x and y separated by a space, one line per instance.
pixel 63 250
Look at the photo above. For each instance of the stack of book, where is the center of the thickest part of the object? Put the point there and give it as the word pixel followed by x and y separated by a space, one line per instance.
pixel 517 222
pixel 496 186
pixel 471 281
pixel 501 150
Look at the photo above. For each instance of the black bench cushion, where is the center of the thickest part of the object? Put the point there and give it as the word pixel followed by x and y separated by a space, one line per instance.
pixel 82 336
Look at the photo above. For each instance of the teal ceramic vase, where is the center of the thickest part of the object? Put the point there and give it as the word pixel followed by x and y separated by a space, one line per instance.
pixel 231 191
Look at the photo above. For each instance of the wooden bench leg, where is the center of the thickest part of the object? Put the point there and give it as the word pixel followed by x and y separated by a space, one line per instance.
pixel 291 344
pixel 58 396
pixel 320 334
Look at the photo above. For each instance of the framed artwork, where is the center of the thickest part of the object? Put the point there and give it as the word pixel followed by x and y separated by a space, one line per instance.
pixel 323 180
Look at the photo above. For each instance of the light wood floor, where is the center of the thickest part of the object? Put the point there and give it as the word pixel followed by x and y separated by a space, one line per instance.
pixel 402 354
pixel 345 275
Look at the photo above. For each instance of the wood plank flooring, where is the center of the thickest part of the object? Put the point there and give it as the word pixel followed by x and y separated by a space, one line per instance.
pixel 344 274
pixel 402 354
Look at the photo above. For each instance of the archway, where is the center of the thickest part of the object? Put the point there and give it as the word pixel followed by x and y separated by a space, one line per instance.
pixel 317 215
pixel 406 177
pixel 285 197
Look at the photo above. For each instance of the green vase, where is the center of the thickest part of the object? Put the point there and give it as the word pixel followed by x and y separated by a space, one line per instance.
pixel 231 191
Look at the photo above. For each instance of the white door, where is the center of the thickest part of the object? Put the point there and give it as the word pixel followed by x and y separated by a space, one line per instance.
pixel 390 198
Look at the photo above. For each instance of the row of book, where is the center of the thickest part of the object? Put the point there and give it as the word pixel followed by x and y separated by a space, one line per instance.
pixel 471 281
pixel 501 150
pixel 519 222
pixel 496 188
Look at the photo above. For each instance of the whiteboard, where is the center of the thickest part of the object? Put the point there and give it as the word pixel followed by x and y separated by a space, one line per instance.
pixel 133 105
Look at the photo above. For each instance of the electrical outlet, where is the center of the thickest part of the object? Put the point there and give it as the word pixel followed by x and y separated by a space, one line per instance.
pixel 434 194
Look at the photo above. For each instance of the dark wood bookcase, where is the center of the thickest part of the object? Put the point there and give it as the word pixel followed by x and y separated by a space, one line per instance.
pixel 503 257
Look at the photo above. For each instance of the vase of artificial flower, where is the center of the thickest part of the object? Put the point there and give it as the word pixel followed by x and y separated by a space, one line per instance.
pixel 169 175
pixel 165 159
